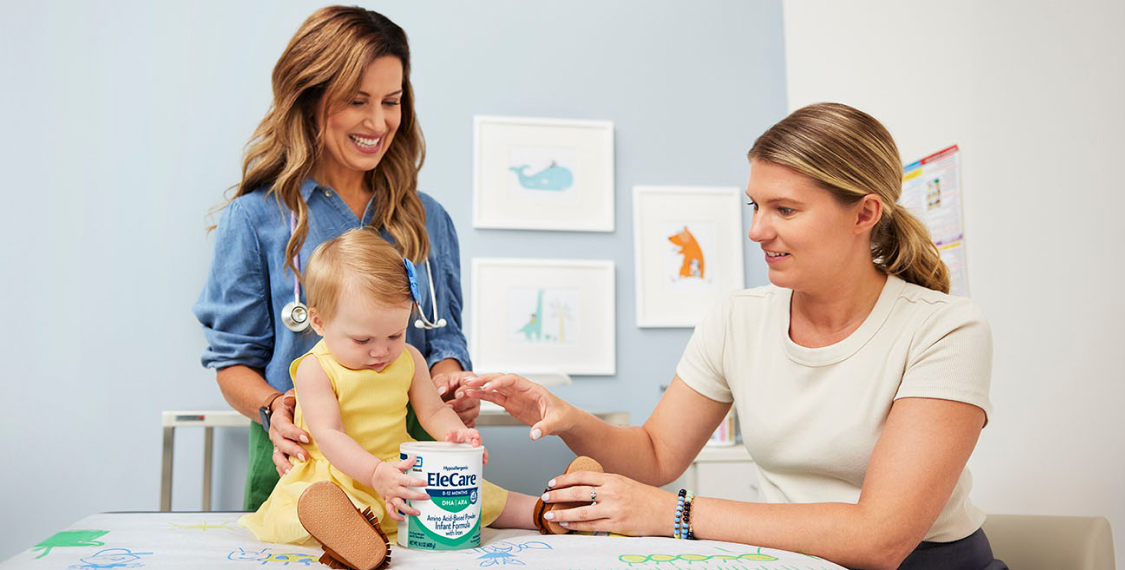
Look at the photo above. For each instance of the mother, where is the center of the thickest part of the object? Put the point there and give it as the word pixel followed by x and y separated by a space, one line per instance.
pixel 339 148
pixel 861 386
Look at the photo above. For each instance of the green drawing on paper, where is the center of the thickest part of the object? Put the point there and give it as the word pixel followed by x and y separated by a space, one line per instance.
pixel 658 558
pixel 534 326
pixel 204 527
pixel 70 538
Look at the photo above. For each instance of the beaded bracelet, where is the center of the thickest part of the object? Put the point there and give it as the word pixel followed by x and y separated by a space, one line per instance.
pixel 688 534
pixel 681 526
pixel 679 513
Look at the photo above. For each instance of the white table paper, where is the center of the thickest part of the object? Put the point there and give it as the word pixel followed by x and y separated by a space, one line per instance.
pixel 216 541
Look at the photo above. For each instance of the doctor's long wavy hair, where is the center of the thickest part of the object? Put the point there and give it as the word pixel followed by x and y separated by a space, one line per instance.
pixel 326 60
pixel 850 154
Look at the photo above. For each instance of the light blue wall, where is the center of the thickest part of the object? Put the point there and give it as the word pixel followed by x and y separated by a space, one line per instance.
pixel 124 122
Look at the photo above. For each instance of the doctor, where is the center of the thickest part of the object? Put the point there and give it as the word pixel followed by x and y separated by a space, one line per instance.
pixel 340 147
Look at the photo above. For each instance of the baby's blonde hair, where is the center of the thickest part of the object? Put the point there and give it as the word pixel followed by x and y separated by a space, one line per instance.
pixel 359 262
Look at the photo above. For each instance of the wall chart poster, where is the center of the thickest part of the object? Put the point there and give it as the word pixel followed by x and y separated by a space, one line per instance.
pixel 931 190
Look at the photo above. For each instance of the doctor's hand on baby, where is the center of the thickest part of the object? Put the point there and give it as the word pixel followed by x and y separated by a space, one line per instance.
pixel 285 436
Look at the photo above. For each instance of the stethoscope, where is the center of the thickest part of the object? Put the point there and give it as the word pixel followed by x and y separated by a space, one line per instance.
pixel 295 314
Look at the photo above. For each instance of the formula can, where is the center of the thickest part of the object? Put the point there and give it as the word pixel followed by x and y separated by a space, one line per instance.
pixel 450 519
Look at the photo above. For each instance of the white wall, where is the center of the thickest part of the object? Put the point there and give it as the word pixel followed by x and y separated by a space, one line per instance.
pixel 1034 94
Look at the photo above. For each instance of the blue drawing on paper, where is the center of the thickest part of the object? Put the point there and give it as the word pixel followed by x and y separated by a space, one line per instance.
pixel 503 553
pixel 554 177
pixel 265 556
pixel 111 558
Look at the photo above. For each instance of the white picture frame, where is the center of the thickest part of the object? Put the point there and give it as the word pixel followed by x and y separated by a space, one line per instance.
pixel 687 246
pixel 573 302
pixel 543 174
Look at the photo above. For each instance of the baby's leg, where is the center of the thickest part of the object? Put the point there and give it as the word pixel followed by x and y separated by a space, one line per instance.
pixel 518 512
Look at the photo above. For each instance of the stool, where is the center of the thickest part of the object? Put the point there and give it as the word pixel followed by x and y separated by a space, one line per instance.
pixel 209 420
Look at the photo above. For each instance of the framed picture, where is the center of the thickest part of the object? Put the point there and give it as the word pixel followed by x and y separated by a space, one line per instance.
pixel 543 314
pixel 542 174
pixel 688 251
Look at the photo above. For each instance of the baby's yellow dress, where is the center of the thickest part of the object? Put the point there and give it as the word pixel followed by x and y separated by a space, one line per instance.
pixel 373 409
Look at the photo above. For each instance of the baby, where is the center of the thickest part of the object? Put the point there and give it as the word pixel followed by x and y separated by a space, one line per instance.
pixel 352 391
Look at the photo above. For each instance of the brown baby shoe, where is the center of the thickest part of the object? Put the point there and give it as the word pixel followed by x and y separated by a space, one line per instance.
pixel 351 540
pixel 550 527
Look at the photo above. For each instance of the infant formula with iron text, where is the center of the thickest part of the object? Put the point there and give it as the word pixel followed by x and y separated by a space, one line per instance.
pixel 450 519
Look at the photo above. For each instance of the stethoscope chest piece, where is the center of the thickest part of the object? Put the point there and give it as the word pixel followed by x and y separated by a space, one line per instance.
pixel 295 316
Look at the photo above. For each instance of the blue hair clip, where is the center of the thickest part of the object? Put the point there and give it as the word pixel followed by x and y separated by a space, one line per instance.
pixel 412 276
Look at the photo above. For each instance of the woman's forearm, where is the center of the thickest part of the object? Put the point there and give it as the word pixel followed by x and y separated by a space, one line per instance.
pixel 658 452
pixel 244 388
pixel 849 535
pixel 629 451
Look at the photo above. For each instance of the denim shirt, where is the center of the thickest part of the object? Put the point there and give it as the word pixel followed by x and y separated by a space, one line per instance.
pixel 240 306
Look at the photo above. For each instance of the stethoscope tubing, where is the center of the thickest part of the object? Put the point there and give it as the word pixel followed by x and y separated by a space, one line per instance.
pixel 295 315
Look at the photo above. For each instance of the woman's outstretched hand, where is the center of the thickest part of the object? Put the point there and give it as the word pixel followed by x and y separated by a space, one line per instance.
pixel 525 400
pixel 621 505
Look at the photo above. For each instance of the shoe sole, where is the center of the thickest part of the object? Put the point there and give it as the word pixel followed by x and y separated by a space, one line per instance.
pixel 350 539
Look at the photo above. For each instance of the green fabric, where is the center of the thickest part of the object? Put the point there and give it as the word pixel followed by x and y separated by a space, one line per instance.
pixel 414 428
pixel 261 475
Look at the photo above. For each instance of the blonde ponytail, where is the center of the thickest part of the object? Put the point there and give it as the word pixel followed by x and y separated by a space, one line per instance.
pixel 852 155
pixel 901 246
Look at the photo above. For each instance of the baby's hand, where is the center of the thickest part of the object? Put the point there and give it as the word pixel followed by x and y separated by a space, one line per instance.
pixel 467 435
pixel 392 483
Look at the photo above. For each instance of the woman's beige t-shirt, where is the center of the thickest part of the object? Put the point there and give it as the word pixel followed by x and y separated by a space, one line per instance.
pixel 810 417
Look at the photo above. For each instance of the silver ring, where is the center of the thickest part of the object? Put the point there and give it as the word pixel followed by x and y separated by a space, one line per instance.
pixel 593 494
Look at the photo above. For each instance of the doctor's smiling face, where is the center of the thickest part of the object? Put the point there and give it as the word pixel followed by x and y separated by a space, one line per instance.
pixel 809 238
pixel 356 132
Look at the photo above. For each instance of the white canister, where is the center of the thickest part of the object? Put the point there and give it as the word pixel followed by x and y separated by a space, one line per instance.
pixel 450 519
